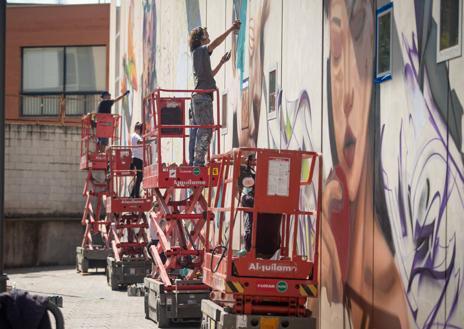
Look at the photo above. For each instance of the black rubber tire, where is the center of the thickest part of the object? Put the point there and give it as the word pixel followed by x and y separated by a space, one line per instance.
pixel 85 265
pixel 145 304
pixel 77 264
pixel 59 320
pixel 161 319
pixel 114 286
pixel 110 281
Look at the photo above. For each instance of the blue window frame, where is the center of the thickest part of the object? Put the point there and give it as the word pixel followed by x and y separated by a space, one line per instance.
pixel 383 43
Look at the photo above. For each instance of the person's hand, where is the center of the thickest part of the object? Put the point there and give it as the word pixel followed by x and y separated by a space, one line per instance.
pixel 127 92
pixel 236 25
pixel 225 58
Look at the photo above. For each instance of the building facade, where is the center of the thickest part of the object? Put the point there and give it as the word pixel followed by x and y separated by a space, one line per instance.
pixel 378 88
pixel 56 68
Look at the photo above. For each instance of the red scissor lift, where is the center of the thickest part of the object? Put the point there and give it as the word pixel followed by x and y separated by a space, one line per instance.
pixel 174 291
pixel 267 286
pixel 127 222
pixel 95 247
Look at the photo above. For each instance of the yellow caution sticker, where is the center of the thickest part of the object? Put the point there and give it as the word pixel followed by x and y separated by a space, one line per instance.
pixel 234 287
pixel 269 323
pixel 308 290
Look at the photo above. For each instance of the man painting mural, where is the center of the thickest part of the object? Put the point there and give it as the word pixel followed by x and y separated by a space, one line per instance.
pixel 202 103
pixel 104 107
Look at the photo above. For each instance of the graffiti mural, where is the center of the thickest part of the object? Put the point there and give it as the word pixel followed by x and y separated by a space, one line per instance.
pixel 149 47
pixel 238 66
pixel 130 79
pixel 429 177
pixel 392 247
pixel 392 253
pixel 357 231
pixel 252 97
pixel 424 186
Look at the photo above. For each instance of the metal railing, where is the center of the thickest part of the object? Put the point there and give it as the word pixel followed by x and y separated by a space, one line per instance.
pixel 58 105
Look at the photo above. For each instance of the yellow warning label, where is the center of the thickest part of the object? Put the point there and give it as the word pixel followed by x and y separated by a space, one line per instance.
pixel 269 323
pixel 215 171
pixel 308 290
pixel 234 287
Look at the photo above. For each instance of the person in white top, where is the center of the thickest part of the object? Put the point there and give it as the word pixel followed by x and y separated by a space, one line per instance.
pixel 137 159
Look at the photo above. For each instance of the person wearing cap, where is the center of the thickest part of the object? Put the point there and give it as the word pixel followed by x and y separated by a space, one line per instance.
pixel 137 159
pixel 202 103
pixel 105 107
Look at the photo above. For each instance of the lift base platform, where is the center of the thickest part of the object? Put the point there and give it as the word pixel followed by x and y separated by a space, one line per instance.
pixel 91 258
pixel 216 317
pixel 171 308
pixel 120 274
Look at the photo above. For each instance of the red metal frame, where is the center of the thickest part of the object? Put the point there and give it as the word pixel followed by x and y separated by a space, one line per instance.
pixel 119 159
pixel 95 191
pixel 93 126
pixel 253 283
pixel 128 234
pixel 177 188
pixel 128 226
pixel 159 174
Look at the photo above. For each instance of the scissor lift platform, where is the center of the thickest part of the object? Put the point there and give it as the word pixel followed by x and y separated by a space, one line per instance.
pixel 174 291
pixel 267 283
pixel 95 245
pixel 127 223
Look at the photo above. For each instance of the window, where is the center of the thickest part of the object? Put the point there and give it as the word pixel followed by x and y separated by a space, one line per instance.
pixel 383 43
pixel 85 69
pixel 449 29
pixel 224 114
pixel 56 79
pixel 272 93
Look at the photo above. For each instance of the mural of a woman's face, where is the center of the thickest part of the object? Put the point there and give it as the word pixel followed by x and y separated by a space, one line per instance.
pixel 351 62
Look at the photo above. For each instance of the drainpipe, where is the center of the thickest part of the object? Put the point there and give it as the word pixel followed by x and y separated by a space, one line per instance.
pixel 3 276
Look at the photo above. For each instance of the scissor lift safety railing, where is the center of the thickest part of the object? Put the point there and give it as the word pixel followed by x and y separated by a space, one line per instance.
pixel 272 277
pixel 180 207
pixel 95 243
pixel 127 222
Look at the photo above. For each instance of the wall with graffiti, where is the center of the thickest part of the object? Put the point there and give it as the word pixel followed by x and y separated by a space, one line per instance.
pixel 301 76
pixel 394 192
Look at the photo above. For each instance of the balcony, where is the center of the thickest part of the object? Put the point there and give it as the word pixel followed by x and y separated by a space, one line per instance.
pixel 58 105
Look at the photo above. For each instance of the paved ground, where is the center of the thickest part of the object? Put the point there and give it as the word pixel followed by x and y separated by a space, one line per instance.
pixel 88 302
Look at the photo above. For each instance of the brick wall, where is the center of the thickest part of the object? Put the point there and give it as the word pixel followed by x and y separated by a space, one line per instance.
pixel 42 176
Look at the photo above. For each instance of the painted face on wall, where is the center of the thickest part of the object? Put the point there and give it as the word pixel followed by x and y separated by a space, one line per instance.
pixel 351 63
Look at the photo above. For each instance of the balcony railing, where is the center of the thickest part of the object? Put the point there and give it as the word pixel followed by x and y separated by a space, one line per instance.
pixel 58 105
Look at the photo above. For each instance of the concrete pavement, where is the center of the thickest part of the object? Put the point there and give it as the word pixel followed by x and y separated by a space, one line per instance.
pixel 88 302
